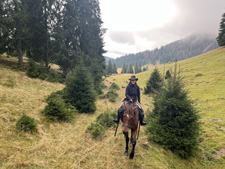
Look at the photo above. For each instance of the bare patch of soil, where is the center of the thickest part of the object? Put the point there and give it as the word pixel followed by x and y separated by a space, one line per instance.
pixel 216 120
pixel 219 154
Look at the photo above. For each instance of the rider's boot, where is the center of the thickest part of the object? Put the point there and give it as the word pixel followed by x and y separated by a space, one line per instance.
pixel 118 118
pixel 141 117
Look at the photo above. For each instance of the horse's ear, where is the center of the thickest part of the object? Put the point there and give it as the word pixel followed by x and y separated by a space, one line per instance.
pixel 125 106
pixel 135 108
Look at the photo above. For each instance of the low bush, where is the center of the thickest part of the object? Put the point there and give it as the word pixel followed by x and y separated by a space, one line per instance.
pixel 39 71
pixel 103 121
pixel 33 70
pixel 114 86
pixel 27 124
pixel 106 118
pixel 95 129
pixel 111 95
pixel 57 109
pixel 103 86
pixel 59 93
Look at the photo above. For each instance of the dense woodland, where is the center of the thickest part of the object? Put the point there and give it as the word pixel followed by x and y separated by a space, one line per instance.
pixel 65 32
pixel 179 50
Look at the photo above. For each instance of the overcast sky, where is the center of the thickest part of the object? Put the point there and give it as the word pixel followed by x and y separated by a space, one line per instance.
pixel 137 25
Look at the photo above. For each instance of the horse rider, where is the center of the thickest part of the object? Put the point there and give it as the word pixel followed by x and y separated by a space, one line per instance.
pixel 132 95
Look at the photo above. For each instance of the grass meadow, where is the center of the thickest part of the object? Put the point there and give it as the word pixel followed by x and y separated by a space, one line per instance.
pixel 67 145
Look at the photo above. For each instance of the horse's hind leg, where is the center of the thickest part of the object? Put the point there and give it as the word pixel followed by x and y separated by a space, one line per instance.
pixel 127 141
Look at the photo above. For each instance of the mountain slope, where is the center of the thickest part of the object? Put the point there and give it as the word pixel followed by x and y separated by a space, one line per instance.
pixel 180 50
pixel 67 145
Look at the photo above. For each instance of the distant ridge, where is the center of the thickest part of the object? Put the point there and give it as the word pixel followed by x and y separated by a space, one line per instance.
pixel 108 58
pixel 179 50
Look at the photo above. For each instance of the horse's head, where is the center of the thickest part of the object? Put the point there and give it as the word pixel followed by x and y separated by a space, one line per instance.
pixel 129 116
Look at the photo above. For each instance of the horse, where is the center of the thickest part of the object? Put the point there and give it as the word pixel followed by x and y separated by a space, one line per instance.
pixel 130 122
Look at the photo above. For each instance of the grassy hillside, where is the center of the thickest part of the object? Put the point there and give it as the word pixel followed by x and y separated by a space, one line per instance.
pixel 66 145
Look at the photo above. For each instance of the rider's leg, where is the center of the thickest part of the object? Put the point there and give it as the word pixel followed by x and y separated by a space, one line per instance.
pixel 119 113
pixel 141 114
pixel 118 117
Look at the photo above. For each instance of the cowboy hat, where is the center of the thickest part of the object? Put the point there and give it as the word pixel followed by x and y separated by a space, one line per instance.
pixel 133 78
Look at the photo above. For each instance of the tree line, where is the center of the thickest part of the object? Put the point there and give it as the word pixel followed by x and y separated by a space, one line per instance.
pixel 178 50
pixel 65 32
pixel 111 68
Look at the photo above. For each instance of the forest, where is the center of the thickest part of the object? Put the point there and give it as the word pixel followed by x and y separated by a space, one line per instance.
pixel 179 50
pixel 66 33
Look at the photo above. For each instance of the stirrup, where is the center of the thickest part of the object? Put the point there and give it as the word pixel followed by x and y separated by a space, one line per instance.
pixel 143 123
pixel 116 121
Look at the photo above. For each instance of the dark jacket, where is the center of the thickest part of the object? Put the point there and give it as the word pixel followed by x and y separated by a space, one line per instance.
pixel 133 92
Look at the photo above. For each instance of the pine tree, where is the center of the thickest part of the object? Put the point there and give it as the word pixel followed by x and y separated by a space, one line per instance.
pixel 144 69
pixel 40 19
pixel 114 68
pixel 14 34
pixel 174 120
pixel 130 69
pixel 154 84
pixel 109 68
pixel 136 68
pixel 3 27
pixel 221 36
pixel 91 33
pixel 124 68
pixel 66 36
pixel 80 90
pixel 168 75
pixel 139 67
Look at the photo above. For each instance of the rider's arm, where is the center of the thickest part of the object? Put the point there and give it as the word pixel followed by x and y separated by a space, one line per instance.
pixel 127 94
pixel 138 94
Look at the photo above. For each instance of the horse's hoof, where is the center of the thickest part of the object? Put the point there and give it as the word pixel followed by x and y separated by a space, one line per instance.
pixel 131 156
pixel 126 153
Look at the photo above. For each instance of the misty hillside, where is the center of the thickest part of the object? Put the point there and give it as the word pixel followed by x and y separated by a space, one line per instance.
pixel 182 49
pixel 107 59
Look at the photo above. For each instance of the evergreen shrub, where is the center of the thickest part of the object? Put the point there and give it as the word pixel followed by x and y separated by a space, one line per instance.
pixel 103 121
pixel 32 69
pixel 80 90
pixel 168 74
pixel 103 86
pixel 26 124
pixel 173 122
pixel 95 129
pixel 39 71
pixel 111 95
pixel 154 84
pixel 57 109
pixel 114 86
pixel 106 118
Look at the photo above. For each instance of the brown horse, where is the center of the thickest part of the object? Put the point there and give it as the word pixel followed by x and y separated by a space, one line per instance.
pixel 130 122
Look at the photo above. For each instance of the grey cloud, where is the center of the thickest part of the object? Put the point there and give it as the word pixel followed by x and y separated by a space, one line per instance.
pixel 194 16
pixel 117 52
pixel 200 15
pixel 122 37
